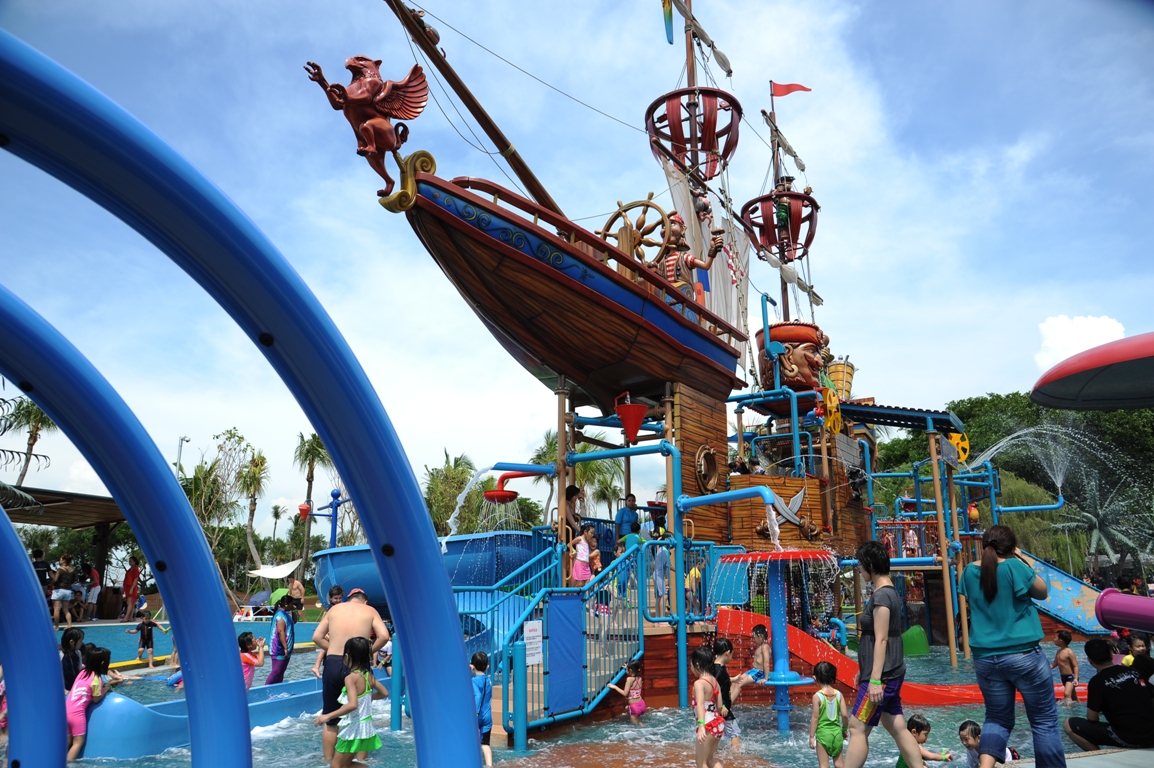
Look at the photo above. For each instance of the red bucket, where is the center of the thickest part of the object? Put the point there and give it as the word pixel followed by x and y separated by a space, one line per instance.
pixel 500 496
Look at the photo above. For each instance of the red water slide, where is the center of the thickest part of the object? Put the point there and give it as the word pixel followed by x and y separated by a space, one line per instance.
pixel 811 651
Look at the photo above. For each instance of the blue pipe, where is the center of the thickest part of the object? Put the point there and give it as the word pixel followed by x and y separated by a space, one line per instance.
pixel 900 562
pixel 686 503
pixel 782 393
pixel 94 417
pixel 541 469
pixel 396 688
pixel 615 423
pixel 333 514
pixel 33 674
pixel 1036 507
pixel 520 698
pixel 57 122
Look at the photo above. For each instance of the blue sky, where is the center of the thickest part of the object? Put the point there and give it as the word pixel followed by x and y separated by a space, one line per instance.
pixel 983 168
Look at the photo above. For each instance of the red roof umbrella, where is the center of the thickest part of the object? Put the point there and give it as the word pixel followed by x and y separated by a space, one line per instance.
pixel 1113 376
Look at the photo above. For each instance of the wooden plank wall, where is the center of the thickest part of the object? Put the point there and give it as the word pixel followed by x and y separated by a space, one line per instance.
pixel 701 420
pixel 748 514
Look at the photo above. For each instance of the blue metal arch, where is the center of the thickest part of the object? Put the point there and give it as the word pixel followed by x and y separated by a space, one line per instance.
pixel 57 122
pixel 33 675
pixel 74 394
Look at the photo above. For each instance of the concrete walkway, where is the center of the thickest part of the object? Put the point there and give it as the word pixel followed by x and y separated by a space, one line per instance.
pixel 1107 758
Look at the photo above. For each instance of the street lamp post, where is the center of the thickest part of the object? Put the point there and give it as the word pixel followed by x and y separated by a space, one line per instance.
pixel 179 447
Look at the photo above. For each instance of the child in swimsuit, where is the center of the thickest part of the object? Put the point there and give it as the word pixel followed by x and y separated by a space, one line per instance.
pixel 357 736
pixel 919 728
pixel 88 689
pixel 829 722
pixel 762 659
pixel 1067 664
pixel 706 693
pixel 632 691
pixel 251 656
pixel 580 546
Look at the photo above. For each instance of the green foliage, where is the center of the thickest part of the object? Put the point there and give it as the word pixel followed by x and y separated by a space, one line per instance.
pixel 444 484
pixel 531 512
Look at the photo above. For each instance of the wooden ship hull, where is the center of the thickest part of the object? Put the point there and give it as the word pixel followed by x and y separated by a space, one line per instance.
pixel 570 306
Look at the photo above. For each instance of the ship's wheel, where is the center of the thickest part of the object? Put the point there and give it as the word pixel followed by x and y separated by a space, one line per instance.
pixel 832 411
pixel 632 235
pixel 961 441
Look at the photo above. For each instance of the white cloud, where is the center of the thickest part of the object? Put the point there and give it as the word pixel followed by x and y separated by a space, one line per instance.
pixel 83 479
pixel 1065 336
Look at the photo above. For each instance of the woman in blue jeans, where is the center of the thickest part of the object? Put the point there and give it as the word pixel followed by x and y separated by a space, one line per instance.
pixel 1005 634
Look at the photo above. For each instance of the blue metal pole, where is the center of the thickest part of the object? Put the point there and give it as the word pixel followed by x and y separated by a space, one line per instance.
pixel 396 689
pixel 780 641
pixel 1036 507
pixel 33 674
pixel 106 154
pixel 899 562
pixel 614 422
pixel 334 513
pixel 520 698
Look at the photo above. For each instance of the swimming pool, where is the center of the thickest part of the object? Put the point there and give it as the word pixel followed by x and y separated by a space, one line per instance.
pixel 123 646
pixel 665 737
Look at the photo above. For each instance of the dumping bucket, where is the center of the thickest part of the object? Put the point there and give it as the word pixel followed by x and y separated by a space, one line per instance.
pixel 841 372
pixel 500 496
pixel 632 415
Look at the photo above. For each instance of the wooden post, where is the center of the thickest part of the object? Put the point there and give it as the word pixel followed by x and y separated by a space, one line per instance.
pixel 826 505
pixel 740 432
pixel 959 563
pixel 943 548
pixel 562 475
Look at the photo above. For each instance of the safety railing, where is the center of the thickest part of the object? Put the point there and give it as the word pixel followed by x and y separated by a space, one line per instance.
pixel 656 571
pixel 612 636
pixel 488 614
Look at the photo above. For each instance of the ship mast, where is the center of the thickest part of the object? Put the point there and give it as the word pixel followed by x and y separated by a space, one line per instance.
pixel 776 176
pixel 505 147
pixel 691 82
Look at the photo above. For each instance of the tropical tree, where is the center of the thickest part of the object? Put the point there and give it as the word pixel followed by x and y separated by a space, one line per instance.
pixel 28 416
pixel 443 485
pixel 546 454
pixel 10 496
pixel 251 481
pixel 606 492
pixel 310 453
pixel 277 513
pixel 1116 523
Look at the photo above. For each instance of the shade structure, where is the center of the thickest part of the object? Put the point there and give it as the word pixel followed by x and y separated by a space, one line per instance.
pixel 1114 376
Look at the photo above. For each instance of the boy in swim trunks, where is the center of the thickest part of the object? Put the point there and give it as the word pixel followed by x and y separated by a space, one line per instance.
pixel 762 661
pixel 1067 664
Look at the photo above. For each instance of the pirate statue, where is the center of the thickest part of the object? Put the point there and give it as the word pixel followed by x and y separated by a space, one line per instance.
pixel 679 262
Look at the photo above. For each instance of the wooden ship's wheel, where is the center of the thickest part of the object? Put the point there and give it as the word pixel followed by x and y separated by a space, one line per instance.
pixel 633 235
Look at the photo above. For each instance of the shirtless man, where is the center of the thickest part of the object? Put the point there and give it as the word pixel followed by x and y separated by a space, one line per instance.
pixel 352 618
pixel 297 593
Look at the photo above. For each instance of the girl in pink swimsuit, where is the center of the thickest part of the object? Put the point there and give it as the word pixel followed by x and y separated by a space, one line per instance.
pixel 710 724
pixel 632 691
pixel 87 690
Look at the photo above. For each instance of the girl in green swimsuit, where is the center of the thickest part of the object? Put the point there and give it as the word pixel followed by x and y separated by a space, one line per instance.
pixel 357 736
pixel 827 727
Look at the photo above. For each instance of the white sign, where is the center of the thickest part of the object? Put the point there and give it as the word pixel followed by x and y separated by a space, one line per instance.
pixel 534 634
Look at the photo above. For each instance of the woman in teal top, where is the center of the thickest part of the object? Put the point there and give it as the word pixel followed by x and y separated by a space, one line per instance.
pixel 1005 633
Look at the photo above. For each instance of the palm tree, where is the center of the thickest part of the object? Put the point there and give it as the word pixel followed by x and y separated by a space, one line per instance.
pixel 277 513
pixel 546 454
pixel 442 487
pixel 310 453
pixel 27 415
pixel 251 481
pixel 606 491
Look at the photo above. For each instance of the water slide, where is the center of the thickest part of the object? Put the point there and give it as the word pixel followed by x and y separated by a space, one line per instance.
pixel 1071 600
pixel 811 651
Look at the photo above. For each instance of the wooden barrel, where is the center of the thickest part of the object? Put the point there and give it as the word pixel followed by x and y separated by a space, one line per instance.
pixel 840 372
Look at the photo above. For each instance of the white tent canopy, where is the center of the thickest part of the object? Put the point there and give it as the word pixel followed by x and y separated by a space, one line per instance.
pixel 276 571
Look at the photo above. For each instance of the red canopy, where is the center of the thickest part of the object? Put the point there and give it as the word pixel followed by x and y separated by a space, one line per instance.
pixel 1114 376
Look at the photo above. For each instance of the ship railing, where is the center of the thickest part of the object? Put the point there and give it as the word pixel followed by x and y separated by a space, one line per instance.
pixel 627 266
pixel 611 635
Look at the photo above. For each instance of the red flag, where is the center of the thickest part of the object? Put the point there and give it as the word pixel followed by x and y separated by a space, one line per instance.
pixel 784 89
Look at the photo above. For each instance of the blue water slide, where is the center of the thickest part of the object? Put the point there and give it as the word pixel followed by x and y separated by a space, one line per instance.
pixel 56 121
pixel 98 422
pixel 1071 600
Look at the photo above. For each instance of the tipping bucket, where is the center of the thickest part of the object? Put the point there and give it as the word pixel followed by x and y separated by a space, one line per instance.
pixel 632 415
pixel 500 496
pixel 840 372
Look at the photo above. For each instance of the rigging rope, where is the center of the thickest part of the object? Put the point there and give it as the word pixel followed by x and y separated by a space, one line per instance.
pixel 526 72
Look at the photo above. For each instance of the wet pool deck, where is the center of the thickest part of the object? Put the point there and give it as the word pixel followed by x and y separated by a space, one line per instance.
pixel 1107 758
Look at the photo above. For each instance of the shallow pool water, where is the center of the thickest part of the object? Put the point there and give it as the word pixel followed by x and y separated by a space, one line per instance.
pixel 664 738
pixel 124 646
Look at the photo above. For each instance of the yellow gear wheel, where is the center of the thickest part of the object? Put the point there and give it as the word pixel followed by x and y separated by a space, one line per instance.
pixel 961 441
pixel 832 411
